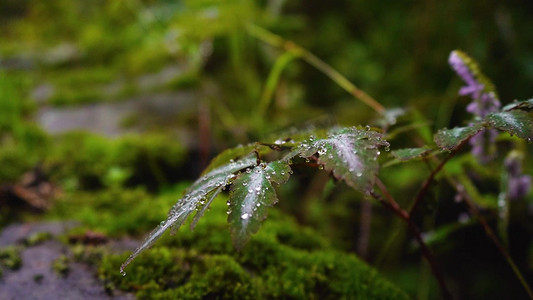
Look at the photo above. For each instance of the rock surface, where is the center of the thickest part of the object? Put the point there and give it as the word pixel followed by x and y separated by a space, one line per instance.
pixel 37 279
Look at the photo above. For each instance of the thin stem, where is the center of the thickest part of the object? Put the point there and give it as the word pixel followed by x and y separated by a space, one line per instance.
pixel 272 81
pixel 490 233
pixel 426 252
pixel 277 41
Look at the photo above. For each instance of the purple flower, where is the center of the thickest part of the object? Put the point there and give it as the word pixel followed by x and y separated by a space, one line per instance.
pixel 518 185
pixel 481 142
pixel 484 101
pixel 462 70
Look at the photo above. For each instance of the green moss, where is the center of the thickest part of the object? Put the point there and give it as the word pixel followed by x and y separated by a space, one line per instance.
pixel 76 95
pixel 36 238
pixel 187 80
pixel 10 258
pixel 283 260
pixel 115 211
pixel 60 265
pixel 88 161
pixel 21 142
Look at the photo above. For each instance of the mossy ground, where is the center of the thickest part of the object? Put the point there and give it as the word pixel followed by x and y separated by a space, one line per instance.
pixel 283 261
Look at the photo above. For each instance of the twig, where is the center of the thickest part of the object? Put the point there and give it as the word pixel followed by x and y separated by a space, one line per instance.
pixel 426 252
pixel 277 41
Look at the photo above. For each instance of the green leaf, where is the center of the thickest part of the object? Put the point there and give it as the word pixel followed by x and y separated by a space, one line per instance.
pixel 449 139
pixel 195 198
pixel 410 153
pixel 526 105
pixel 350 153
pixel 515 122
pixel 251 194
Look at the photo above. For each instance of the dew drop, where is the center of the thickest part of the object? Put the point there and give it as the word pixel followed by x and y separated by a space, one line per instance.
pixel 245 216
pixel 307 160
pixel 245 183
pixel 228 203
pixel 359 174
pixel 258 189
pixel 258 204
pixel 387 148
pixel 229 211
pixel 321 167
pixel 122 273
pixel 162 223
pixel 290 163
pixel 367 127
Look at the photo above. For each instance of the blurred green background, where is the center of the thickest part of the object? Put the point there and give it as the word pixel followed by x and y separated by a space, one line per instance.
pixel 109 108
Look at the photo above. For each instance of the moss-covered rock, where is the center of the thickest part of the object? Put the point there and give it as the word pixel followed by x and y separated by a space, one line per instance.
pixel 87 161
pixel 283 261
pixel 115 211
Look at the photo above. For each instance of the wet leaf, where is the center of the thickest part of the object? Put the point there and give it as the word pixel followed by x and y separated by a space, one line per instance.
pixel 515 122
pixel 410 153
pixel 449 139
pixel 251 194
pixel 526 105
pixel 196 197
pixel 350 153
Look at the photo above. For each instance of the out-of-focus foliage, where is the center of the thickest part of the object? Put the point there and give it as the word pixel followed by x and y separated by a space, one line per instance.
pixel 153 160
pixel 57 54
pixel 21 141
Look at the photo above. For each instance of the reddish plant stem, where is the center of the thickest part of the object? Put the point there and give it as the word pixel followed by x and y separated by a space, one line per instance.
pixel 426 252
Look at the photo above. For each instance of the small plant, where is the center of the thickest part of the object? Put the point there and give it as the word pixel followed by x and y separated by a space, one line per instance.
pixel 352 155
